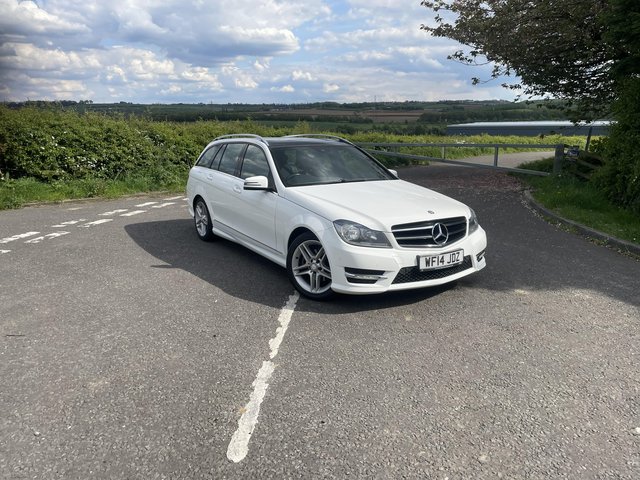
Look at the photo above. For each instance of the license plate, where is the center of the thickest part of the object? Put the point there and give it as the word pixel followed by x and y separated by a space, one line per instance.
pixel 442 260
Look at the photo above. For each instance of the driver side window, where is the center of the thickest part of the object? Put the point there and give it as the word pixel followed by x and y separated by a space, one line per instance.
pixel 255 163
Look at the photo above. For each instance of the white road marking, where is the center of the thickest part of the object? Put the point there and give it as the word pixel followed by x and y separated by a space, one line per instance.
pixel 134 212
pixel 47 237
pixel 97 222
pixel 239 444
pixel 113 212
pixel 284 318
pixel 4 251
pixel 70 222
pixel 173 198
pixel 162 205
pixel 18 237
pixel 74 208
pixel 146 204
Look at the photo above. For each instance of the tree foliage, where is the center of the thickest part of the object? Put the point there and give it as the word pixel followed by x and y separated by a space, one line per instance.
pixel 586 52
pixel 620 176
pixel 622 32
pixel 557 48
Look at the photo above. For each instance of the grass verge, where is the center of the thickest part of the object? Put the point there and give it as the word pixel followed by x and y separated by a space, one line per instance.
pixel 578 200
pixel 16 193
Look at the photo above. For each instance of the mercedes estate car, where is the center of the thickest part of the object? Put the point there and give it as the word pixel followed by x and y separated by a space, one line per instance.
pixel 332 215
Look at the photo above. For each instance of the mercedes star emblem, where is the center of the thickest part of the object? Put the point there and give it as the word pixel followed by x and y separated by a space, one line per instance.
pixel 440 234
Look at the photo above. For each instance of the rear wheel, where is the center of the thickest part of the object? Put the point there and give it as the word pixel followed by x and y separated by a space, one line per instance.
pixel 308 267
pixel 202 220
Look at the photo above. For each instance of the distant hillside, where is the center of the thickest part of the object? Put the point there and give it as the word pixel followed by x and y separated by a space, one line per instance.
pixel 430 113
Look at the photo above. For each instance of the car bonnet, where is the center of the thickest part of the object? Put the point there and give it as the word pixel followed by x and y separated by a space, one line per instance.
pixel 376 204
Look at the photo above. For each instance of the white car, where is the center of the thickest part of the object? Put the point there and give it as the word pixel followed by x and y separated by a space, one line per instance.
pixel 332 215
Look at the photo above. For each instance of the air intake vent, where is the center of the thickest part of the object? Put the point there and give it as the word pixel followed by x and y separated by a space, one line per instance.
pixel 414 274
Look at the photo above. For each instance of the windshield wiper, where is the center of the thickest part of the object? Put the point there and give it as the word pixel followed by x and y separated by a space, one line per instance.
pixel 354 180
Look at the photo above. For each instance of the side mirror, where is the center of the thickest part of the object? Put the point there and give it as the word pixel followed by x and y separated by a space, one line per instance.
pixel 394 172
pixel 259 182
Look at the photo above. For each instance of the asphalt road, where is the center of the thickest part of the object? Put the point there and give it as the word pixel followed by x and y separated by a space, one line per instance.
pixel 130 349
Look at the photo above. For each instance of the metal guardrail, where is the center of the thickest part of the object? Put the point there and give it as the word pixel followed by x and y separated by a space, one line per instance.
pixel 374 148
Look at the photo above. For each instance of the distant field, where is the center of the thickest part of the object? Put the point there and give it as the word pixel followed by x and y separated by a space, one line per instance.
pixel 381 114
pixel 376 116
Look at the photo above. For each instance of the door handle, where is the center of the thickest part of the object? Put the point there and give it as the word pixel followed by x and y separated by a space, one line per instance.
pixel 209 177
pixel 237 189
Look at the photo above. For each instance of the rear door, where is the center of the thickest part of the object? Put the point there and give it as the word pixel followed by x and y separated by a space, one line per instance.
pixel 201 174
pixel 223 185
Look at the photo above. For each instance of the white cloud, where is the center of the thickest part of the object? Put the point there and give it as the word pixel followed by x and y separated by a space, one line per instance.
pixel 245 51
pixel 297 75
pixel 366 38
pixel 172 90
pixel 240 78
pixel 26 18
pixel 245 82
pixel 52 89
pixel 263 65
pixel 285 89
pixel 23 56
pixel 143 64
pixel 272 40
pixel 200 74
pixel 116 74
pixel 401 59
pixel 330 88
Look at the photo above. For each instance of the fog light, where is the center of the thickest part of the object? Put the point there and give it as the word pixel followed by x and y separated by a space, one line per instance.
pixel 361 275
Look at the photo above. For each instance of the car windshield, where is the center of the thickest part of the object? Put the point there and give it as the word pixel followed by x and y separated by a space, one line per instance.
pixel 300 165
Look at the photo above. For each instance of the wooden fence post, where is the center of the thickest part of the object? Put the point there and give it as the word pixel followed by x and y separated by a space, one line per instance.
pixel 558 160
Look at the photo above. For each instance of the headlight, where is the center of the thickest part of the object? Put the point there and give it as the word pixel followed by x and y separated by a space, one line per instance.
pixel 473 222
pixel 356 234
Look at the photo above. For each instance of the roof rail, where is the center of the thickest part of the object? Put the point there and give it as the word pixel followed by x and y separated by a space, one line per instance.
pixel 242 135
pixel 321 135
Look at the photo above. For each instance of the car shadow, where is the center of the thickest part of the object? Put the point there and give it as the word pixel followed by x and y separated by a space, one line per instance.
pixel 223 264
pixel 243 274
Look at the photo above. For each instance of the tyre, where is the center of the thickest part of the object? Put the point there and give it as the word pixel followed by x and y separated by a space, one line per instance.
pixel 308 267
pixel 203 221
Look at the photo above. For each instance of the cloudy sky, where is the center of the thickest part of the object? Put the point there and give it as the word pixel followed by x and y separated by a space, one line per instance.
pixel 223 51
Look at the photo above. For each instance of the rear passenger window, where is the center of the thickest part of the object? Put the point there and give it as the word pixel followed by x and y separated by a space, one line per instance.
pixel 229 160
pixel 206 158
pixel 255 163
pixel 216 160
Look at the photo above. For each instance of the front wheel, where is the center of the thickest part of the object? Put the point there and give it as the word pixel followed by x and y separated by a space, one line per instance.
pixel 202 221
pixel 308 267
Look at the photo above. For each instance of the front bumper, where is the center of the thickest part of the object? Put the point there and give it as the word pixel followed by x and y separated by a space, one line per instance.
pixel 362 270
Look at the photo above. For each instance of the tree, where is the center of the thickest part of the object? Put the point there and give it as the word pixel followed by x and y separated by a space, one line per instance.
pixel 622 22
pixel 586 52
pixel 556 47
pixel 620 176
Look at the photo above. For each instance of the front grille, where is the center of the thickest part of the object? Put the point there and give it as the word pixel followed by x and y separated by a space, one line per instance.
pixel 420 234
pixel 414 274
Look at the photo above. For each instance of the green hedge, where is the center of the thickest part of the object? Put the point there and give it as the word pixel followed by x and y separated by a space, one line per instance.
pixel 53 145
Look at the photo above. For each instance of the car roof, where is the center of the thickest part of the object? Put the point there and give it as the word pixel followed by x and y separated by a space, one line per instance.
pixel 289 140
pixel 299 141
